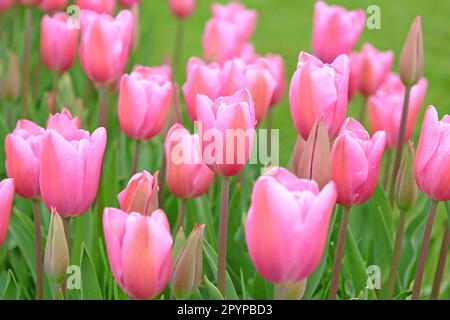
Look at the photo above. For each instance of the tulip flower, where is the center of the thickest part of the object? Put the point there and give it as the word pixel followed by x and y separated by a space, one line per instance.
pixel 139 251
pixel 6 200
pixel 276 66
pixel 187 175
pixel 128 3
pixel 386 107
pixel 201 78
pixel 287 225
pixel 70 162
pixel 318 91
pixel 5 4
pixel 58 42
pixel 335 30
pixel 140 194
pixel 353 81
pixel 105 44
pixel 188 267
pixel 181 8
pixel 100 6
pixel 52 5
pixel 22 157
pixel 411 59
pixel 355 162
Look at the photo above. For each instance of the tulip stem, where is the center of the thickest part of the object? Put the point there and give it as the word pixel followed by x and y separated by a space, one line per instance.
pixel 441 264
pixel 362 112
pixel 26 61
pixel 178 47
pixel 396 256
pixel 423 252
pixel 66 225
pixel 223 226
pixel 387 170
pixel 135 160
pixel 181 216
pixel 280 292
pixel 269 133
pixel 400 138
pixel 339 253
pixel 102 106
pixel 38 247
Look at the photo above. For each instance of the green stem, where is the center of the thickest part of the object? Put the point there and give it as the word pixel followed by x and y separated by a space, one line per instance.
pixel 181 216
pixel 441 264
pixel 280 292
pixel 135 160
pixel 207 220
pixel 396 256
pixel 363 111
pixel 387 170
pixel 102 106
pixel 38 247
pixel 223 229
pixel 26 62
pixel 178 47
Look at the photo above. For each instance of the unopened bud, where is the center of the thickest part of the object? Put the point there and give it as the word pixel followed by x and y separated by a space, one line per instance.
pixel 411 59
pixel 141 194
pixel 296 154
pixel 405 184
pixel 180 240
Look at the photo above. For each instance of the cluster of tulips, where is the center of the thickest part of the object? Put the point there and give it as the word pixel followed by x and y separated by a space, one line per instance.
pixel 335 161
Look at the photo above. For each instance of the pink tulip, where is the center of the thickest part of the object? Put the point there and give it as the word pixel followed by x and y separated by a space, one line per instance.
pixel 58 42
pixel 386 107
pixel 128 3
pixel 318 91
pixel 70 162
pixel 5 4
pixel 181 8
pixel 335 30
pixel 256 77
pixel 66 112
pixel 52 5
pixel 355 162
pixel 227 130
pixel 201 78
pixel 187 174
pixel 139 251
pixel 353 81
pixel 105 44
pixel 432 162
pixel 22 157
pixel 276 66
pixel 6 200
pixel 100 6
pixel 145 97
pixel 247 53
pixel 287 225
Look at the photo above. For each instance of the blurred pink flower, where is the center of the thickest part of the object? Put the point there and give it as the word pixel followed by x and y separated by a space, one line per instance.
pixel 6 200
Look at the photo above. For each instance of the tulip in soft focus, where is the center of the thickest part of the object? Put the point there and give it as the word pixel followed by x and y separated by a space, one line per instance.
pixel 5 4
pixel 405 191
pixel 100 6
pixel 70 161
pixel 105 44
pixel 129 3
pixel 276 66
pixel 318 91
pixel 188 266
pixel 181 8
pixel 58 42
pixel 52 5
pixel 145 97
pixel 411 59
pixel 386 107
pixel 355 162
pixel 139 251
pixel 432 161
pixel 56 256
pixel 22 157
pixel 187 175
pixel 6 200
pixel 335 30
pixel 227 130
pixel 287 225
pixel 201 78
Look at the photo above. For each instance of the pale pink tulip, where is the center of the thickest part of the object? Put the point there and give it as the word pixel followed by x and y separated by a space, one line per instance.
pixel 6 200
pixel 181 8
pixel 276 66
pixel 52 5
pixel 141 194
pixel 128 3
pixel 100 6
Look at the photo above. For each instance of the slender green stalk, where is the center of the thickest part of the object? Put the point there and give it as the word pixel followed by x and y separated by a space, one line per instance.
pixel 339 254
pixel 102 106
pixel 38 248
pixel 134 163
pixel 441 264
pixel 181 216
pixel 363 111
pixel 280 292
pixel 178 47
pixel 387 169
pixel 66 225
pixel 223 229
pixel 26 62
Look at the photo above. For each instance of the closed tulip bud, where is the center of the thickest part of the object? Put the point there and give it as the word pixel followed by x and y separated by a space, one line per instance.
pixel 56 256
pixel 52 5
pixel 6 200
pixel 411 59
pixel 100 6
pixel 178 244
pixel 139 251
pixel 140 194
pixel 405 185
pixel 432 161
pixel 221 41
pixel 181 8
pixel 188 267
pixel 12 79
pixel 315 161
pixel 296 154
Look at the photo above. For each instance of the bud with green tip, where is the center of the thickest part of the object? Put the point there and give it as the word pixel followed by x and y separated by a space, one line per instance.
pixel 56 257
pixel 411 59
pixel 405 183
pixel 180 240
pixel 188 267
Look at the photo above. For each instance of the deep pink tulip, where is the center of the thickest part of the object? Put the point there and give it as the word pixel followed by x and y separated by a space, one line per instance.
pixel 257 78
pixel 128 3
pixel 100 6
pixel 70 163
pixel 386 107
pixel 5 4
pixel 201 78
pixel 52 5
pixel 287 225
pixel 6 200
pixel 181 8
pixel 227 130
pixel 22 157
pixel 335 30
pixel 355 162
pixel 432 162
pixel 105 44
pixel 187 174
pixel 139 251
pixel 145 97
pixel 317 91
pixel 276 66
pixel 58 42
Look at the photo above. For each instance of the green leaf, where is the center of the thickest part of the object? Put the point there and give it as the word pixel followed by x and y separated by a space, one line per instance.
pixel 353 262
pixel 90 288
pixel 403 295
pixel 11 291
pixel 213 291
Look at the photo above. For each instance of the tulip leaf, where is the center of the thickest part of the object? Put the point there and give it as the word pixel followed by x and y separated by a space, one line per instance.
pixel 213 291
pixel 11 291
pixel 353 262
pixel 447 205
pixel 90 288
